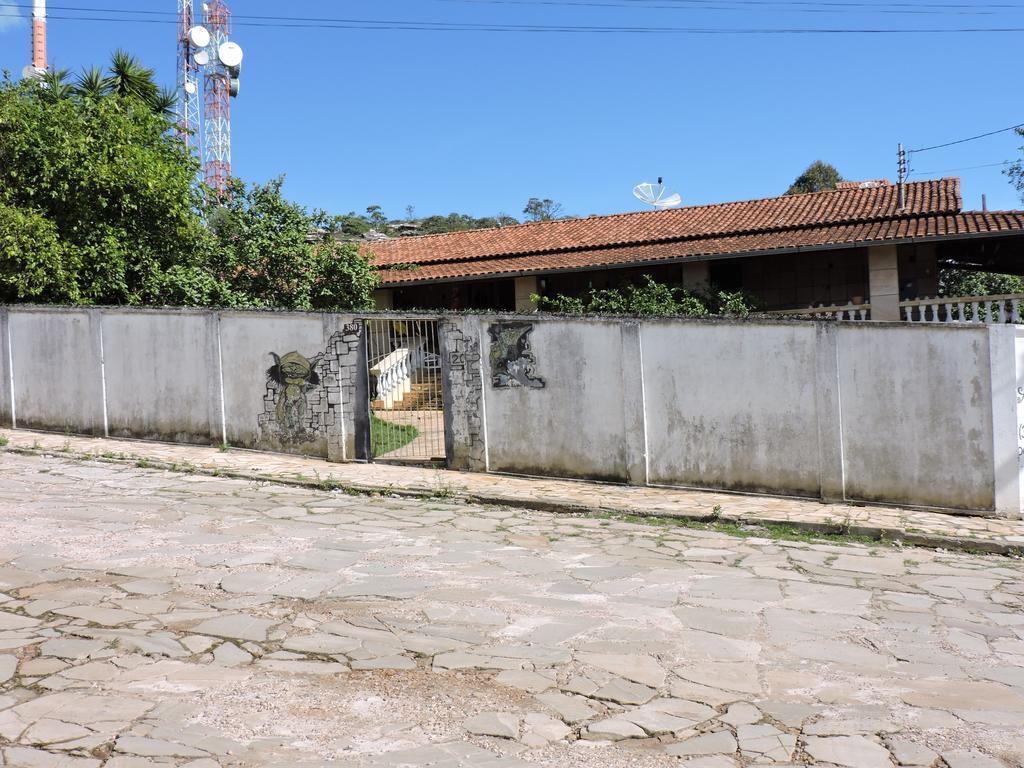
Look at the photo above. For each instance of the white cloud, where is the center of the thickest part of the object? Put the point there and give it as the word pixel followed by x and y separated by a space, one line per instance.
pixel 10 16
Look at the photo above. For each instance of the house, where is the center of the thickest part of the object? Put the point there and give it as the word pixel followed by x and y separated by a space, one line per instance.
pixel 870 245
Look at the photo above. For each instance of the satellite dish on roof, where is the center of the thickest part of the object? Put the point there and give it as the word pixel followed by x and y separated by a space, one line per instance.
pixel 199 37
pixel 657 195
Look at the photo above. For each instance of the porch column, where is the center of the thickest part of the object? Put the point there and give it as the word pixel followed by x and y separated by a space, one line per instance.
pixel 384 298
pixel 526 288
pixel 884 282
pixel 696 275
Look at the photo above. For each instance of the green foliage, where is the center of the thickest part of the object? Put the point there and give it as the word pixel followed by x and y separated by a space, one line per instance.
pixel 267 259
pixel 542 210
pixel 386 437
pixel 99 201
pixel 965 282
pixel 1016 171
pixel 818 177
pixel 650 298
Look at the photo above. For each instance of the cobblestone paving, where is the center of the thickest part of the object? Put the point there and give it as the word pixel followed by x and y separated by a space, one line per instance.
pixel 151 618
pixel 907 525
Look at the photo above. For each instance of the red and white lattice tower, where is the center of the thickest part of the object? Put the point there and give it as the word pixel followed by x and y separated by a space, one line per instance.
pixel 217 105
pixel 189 96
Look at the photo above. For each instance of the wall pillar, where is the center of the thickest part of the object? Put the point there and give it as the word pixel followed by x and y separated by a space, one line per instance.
pixel 696 275
pixel 384 298
pixel 6 375
pixel 463 388
pixel 526 288
pixel 634 404
pixel 1007 382
pixel 884 282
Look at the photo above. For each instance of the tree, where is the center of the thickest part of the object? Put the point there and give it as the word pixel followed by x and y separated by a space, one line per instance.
pixel 1016 171
pixel 966 282
pixel 818 177
pixel 99 202
pixel 542 210
pixel 270 259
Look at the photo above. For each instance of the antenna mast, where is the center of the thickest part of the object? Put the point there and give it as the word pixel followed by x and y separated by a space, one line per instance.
pixel 217 108
pixel 39 35
pixel 188 80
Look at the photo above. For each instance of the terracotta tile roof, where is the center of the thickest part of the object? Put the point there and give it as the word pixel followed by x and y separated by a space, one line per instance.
pixel 840 217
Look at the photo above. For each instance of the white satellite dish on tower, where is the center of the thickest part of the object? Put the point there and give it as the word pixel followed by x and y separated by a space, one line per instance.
pixel 199 37
pixel 230 54
pixel 202 58
pixel 657 195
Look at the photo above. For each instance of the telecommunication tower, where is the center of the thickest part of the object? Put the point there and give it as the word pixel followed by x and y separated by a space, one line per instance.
pixel 189 96
pixel 39 64
pixel 206 49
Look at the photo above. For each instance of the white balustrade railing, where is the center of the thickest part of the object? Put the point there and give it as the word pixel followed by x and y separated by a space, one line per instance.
pixel 834 312
pixel 394 373
pixel 990 310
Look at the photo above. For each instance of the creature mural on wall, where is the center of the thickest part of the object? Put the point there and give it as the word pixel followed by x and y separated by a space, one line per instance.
pixel 295 377
pixel 511 358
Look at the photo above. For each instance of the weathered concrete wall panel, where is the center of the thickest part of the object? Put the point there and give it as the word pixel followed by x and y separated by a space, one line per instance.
pixel 57 381
pixel 159 375
pixel 565 418
pixel 917 415
pixel 732 406
pixel 248 343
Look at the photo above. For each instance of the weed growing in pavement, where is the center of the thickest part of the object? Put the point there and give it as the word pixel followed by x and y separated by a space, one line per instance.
pixel 223 447
pixel 4 442
pixel 144 464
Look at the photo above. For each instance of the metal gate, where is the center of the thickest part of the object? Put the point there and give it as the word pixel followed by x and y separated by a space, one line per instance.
pixel 405 391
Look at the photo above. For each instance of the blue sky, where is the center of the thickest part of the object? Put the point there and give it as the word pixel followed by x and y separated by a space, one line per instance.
pixel 479 122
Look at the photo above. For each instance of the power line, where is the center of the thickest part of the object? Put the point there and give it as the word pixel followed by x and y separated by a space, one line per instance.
pixel 970 138
pixel 429 26
pixel 964 168
pixel 792 6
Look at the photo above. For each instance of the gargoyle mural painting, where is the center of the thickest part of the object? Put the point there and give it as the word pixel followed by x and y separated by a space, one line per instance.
pixel 512 360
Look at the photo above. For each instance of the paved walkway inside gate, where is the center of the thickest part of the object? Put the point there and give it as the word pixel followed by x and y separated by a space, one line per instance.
pixel 912 527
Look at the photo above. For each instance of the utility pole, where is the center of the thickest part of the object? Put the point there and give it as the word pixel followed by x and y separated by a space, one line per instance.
pixel 901 175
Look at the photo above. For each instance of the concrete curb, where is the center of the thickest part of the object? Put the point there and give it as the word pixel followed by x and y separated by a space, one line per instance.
pixel 557 506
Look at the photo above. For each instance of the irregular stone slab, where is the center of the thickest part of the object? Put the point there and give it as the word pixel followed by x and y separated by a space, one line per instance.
pixel 962 694
pixel 731 675
pixel 453 614
pixel 236 627
pixel 24 757
pixel 45 731
pixel 539 730
pixel 851 751
pixel 624 692
pixel 327 645
pixel 766 741
pixel 70 648
pixel 459 660
pixel 742 713
pixel 718 622
pixel 230 655
pixel 325 560
pixel 640 669
pixel 503 725
pixel 719 743
pixel 966 758
pixel 525 680
pixel 138 745
pixel 613 729
pixel 303 667
pixel 108 617
pixel 12 621
pixel 571 710
pixel 712 761
pixel 147 587
pixel 910 753
pixel 656 723
pixel 8 666
pixel 153 645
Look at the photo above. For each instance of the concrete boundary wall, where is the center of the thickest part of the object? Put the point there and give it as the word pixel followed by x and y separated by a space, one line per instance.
pixel 920 415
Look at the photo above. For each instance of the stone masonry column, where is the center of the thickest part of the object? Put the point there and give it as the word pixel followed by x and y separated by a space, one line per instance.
pixel 884 282
pixel 526 287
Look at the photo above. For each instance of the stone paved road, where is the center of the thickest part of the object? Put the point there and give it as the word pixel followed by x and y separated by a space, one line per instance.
pixel 150 618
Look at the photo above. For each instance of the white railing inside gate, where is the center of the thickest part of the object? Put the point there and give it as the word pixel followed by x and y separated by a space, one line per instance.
pixel 395 373
pixel 990 310
pixel 834 312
